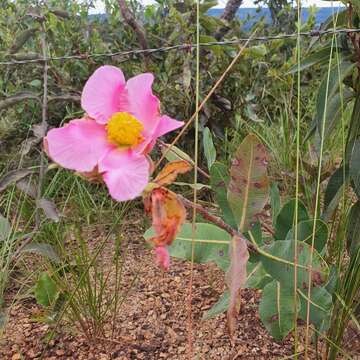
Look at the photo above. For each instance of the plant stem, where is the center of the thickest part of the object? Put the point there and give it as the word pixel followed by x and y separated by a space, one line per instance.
pixel 215 220
pixel 43 122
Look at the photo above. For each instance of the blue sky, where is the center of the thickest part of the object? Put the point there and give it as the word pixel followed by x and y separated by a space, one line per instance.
pixel 246 3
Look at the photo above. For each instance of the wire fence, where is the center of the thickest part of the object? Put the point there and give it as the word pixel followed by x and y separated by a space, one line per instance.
pixel 239 41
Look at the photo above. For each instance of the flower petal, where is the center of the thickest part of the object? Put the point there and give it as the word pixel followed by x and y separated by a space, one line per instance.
pixel 165 125
pixel 104 93
pixel 162 257
pixel 126 173
pixel 143 104
pixel 78 145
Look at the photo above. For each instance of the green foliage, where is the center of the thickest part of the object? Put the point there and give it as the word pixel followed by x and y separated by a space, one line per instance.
pixel 355 166
pixel 174 154
pixel 320 307
pixel 209 148
pixel 211 244
pixel 46 291
pixel 219 180
pixel 335 186
pixel 353 229
pixel 219 307
pixel 278 261
pixel 286 218
pixel 306 233
pixel 328 91
pixel 277 309
pixel 275 201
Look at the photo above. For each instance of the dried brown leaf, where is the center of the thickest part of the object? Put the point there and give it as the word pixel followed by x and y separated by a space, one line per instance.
pixel 12 177
pixel 171 170
pixel 235 278
pixel 49 208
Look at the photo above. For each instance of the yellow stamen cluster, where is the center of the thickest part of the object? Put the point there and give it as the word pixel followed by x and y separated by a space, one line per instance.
pixel 124 130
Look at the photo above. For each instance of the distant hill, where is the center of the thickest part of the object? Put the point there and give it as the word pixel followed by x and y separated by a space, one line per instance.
pixel 254 14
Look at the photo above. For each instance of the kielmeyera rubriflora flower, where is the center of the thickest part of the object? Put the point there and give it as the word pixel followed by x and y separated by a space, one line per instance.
pixel 120 128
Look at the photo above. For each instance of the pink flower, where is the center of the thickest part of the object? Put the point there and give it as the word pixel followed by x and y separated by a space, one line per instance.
pixel 120 128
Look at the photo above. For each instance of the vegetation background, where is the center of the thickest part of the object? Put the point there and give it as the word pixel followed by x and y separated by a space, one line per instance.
pixel 308 121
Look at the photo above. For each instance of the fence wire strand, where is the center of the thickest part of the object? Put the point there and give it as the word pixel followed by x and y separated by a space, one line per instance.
pixel 189 46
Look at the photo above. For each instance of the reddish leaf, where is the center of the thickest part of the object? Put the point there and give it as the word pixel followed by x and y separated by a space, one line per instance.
pixel 171 170
pixel 235 278
pixel 248 190
pixel 168 214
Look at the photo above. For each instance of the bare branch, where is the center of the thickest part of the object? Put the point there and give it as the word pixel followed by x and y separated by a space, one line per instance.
pixel 130 20
pixel 65 97
pixel 14 99
pixel 232 6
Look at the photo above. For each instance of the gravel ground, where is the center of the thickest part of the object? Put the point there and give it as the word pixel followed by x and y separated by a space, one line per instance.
pixel 153 322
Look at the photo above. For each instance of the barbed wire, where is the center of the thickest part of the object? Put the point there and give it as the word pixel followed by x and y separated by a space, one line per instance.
pixel 313 33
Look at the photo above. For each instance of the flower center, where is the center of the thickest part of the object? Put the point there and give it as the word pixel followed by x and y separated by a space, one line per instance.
pixel 123 130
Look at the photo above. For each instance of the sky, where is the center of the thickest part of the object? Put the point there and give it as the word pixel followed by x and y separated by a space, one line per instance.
pixel 246 3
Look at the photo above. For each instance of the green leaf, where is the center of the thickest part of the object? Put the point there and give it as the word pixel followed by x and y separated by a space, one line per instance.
pixel 286 218
pixel 5 228
pixel 333 280
pixel 45 290
pixel 35 83
pixel 277 309
pixel 207 5
pixel 355 166
pixel 305 233
pixel 257 277
pixel 320 307
pixel 328 88
pixel 334 111
pixel 209 148
pixel 198 186
pixel 278 260
pixel 217 49
pixel 334 186
pixel 206 247
pixel 356 5
pixel 21 39
pixel 256 233
pixel 219 180
pixel 256 51
pixel 275 201
pixel 318 57
pixel 248 189
pixel 219 307
pixel 353 229
pixel 174 154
